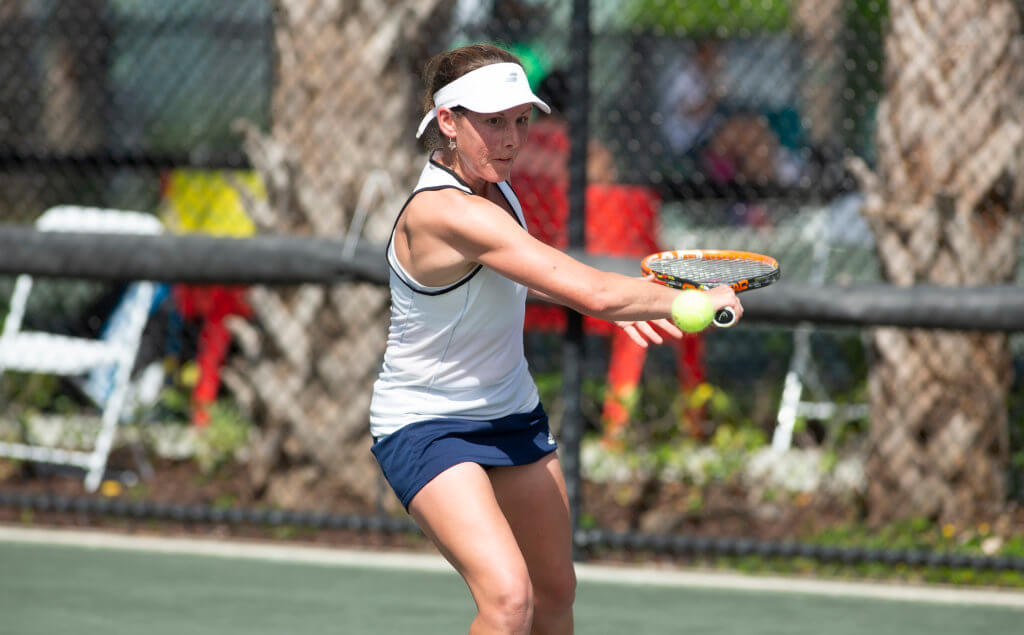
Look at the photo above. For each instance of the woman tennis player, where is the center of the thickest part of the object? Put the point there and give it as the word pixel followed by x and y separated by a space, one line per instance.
pixel 459 430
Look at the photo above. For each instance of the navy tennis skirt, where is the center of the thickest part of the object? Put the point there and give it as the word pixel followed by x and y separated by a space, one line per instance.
pixel 414 454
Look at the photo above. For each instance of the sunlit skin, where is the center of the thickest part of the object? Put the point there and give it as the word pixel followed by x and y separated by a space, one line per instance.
pixel 486 144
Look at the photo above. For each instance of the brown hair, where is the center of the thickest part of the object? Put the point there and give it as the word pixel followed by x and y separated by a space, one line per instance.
pixel 444 68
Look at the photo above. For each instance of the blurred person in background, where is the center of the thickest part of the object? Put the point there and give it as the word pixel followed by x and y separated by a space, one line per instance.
pixel 690 98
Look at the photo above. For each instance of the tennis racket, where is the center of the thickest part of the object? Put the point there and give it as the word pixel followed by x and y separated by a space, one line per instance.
pixel 707 268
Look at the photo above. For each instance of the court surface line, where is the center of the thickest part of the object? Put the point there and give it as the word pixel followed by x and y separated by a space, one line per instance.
pixel 657 576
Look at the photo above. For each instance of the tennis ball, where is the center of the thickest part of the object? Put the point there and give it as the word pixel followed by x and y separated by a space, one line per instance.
pixel 692 310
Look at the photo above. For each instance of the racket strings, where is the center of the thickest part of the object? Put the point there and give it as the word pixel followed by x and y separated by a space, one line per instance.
pixel 712 271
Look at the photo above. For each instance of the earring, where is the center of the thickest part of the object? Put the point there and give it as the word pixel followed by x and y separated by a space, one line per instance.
pixel 451 143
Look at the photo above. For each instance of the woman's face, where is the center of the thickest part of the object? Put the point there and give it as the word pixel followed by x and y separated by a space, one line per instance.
pixel 488 143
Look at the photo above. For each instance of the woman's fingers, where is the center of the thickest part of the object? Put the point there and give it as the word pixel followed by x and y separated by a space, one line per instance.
pixel 644 332
pixel 648 331
pixel 633 334
pixel 670 328
pixel 723 296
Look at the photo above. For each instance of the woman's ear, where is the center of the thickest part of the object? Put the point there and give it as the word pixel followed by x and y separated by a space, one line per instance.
pixel 446 122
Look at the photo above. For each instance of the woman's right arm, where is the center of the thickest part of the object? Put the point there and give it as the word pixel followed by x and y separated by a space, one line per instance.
pixel 484 233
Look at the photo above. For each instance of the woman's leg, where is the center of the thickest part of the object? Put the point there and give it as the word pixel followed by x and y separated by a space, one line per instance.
pixel 534 500
pixel 459 512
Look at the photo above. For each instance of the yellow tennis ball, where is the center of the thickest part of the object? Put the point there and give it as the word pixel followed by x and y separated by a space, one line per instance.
pixel 692 310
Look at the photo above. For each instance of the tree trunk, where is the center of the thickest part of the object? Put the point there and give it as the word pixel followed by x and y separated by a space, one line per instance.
pixel 344 109
pixel 945 205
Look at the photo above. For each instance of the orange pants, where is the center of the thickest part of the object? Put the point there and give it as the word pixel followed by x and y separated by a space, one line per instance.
pixel 625 367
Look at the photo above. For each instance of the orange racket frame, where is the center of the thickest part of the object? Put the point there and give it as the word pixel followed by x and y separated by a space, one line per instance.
pixel 725 317
pixel 711 254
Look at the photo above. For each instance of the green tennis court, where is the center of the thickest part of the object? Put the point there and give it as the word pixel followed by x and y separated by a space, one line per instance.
pixel 124 585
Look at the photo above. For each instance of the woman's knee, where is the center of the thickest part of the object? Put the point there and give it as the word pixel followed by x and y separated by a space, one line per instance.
pixel 508 603
pixel 555 594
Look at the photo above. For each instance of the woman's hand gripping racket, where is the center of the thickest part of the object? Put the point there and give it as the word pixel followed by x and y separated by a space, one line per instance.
pixel 707 268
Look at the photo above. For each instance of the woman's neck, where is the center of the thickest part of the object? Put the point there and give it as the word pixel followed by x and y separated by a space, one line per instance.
pixel 479 186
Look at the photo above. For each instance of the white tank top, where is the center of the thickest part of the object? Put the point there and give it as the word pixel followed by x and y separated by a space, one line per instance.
pixel 456 350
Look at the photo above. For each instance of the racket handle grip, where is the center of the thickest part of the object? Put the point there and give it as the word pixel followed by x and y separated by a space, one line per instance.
pixel 725 317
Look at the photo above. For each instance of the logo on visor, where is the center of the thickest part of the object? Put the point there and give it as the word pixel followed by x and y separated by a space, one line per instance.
pixel 512 78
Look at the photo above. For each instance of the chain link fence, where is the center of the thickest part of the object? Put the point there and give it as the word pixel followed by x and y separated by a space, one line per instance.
pixel 711 124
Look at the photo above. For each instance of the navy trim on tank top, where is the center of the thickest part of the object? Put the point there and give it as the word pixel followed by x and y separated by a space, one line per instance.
pixel 454 285
pixel 463 183
pixel 435 188
pixel 451 172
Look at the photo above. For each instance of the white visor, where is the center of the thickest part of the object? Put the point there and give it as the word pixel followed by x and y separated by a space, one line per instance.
pixel 488 89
